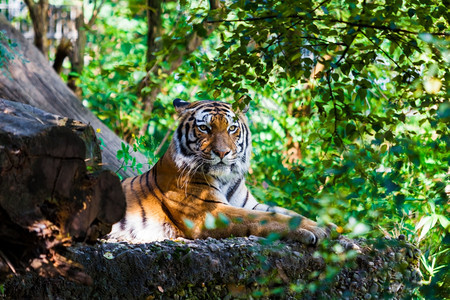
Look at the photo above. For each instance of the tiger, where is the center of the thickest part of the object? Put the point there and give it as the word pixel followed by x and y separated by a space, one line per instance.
pixel 202 175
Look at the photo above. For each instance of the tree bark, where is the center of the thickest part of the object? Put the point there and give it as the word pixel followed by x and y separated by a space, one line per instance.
pixel 29 79
pixel 53 190
pixel 231 268
pixel 76 56
pixel 39 18
pixel 63 51
pixel 153 29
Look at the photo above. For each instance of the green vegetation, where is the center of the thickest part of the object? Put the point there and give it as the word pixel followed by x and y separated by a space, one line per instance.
pixel 7 52
pixel 349 103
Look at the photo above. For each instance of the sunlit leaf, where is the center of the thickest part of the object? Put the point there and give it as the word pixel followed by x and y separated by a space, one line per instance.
pixel 210 221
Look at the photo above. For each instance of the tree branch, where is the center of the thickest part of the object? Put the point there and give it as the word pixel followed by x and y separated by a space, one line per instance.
pixel 346 50
pixel 95 13
pixel 194 40
pixel 338 63
pixel 336 117
pixel 356 24
pixel 318 6
pixel 379 48
pixel 163 141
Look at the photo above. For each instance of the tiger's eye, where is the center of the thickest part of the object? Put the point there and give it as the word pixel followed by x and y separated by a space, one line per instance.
pixel 203 128
pixel 232 128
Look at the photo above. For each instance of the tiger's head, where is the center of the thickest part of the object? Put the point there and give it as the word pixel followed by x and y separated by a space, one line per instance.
pixel 211 139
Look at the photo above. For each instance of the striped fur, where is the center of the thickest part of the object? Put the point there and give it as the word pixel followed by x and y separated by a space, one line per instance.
pixel 203 172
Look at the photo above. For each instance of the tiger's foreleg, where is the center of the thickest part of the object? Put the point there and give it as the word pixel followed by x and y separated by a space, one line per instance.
pixel 243 222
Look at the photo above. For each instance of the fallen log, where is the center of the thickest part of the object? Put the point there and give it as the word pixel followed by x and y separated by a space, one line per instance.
pixel 52 190
pixel 232 268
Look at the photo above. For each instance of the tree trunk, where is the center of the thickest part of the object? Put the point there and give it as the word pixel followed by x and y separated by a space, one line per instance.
pixel 29 79
pixel 53 190
pixel 153 29
pixel 63 51
pixel 39 18
pixel 76 56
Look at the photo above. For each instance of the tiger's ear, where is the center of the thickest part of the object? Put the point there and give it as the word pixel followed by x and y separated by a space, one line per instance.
pixel 180 105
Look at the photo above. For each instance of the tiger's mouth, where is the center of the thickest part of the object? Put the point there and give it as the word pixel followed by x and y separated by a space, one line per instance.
pixel 215 161
pixel 217 169
pixel 216 166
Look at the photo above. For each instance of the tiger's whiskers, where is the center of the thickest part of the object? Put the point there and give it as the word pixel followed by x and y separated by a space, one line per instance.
pixel 188 171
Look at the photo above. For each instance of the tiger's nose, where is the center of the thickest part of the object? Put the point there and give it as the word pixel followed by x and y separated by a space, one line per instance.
pixel 221 153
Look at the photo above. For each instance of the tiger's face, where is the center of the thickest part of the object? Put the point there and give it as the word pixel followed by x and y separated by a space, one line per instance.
pixel 211 139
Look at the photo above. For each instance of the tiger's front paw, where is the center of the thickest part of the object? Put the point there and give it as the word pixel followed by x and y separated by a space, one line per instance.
pixel 309 233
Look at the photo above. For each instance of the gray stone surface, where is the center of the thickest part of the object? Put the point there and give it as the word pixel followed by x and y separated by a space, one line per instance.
pixel 229 269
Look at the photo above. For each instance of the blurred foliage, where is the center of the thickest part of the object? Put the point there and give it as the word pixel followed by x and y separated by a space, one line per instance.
pixel 349 104
pixel 7 53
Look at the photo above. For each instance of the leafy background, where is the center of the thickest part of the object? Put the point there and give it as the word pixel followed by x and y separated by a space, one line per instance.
pixel 349 103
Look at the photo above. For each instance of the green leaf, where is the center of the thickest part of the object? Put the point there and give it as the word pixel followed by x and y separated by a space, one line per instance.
pixel 189 224
pixel 210 221
pixel 350 129
pixel 426 37
pixel 223 219
pixel 294 222
pixel 201 31
pixel 444 221
pixel 426 223
pixel 272 237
